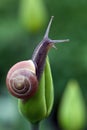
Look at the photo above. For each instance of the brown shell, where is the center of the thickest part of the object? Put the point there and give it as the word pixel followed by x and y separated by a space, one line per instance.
pixel 21 80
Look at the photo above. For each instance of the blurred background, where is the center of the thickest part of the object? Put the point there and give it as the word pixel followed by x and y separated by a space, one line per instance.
pixel 19 35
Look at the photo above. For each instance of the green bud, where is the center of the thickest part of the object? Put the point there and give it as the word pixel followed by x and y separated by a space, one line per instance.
pixel 33 14
pixel 71 114
pixel 40 105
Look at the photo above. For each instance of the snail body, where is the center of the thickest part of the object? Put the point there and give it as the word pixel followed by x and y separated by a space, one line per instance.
pixel 41 51
pixel 22 79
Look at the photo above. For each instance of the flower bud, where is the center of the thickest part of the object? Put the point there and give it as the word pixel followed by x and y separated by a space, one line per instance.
pixel 40 105
pixel 33 14
pixel 71 114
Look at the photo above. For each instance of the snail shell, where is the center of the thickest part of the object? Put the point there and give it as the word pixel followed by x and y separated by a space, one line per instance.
pixel 21 80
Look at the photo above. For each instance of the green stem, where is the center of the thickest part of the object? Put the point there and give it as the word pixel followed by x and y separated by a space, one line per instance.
pixel 35 126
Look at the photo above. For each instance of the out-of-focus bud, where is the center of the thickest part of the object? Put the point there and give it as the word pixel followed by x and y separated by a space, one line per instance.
pixel 72 111
pixel 33 14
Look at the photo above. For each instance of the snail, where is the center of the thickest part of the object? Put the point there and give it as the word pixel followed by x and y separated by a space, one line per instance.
pixel 23 78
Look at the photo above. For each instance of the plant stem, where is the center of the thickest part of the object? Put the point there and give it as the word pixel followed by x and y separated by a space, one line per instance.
pixel 35 126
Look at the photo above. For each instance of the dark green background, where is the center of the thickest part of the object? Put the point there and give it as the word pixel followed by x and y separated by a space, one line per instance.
pixel 67 62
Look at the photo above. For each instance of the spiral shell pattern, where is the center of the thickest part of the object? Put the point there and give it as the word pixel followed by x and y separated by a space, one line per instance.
pixel 22 82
